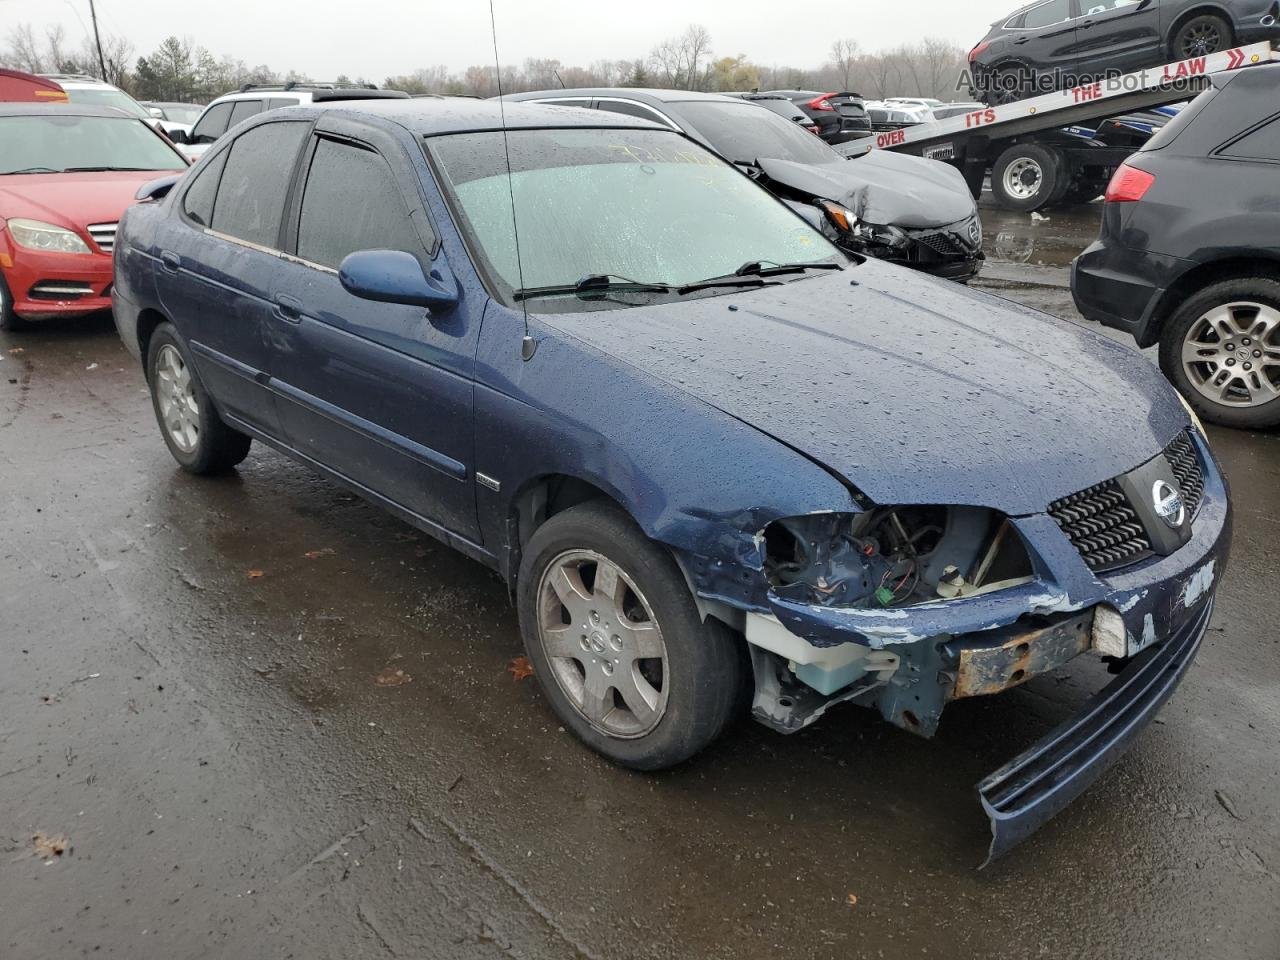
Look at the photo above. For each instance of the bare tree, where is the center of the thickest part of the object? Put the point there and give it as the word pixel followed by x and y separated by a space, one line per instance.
pixel 844 58
pixel 23 50
pixel 695 44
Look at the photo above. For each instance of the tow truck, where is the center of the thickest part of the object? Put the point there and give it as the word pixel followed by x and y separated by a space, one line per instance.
pixel 1056 148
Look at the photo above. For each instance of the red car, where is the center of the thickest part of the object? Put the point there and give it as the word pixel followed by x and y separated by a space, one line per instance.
pixel 67 173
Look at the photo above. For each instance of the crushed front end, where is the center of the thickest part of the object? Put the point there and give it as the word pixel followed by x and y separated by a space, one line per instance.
pixel 904 609
pixel 952 251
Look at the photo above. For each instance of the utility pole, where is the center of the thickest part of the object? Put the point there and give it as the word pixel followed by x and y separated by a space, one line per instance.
pixel 97 39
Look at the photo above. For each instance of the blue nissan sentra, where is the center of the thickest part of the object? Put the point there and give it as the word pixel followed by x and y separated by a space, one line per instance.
pixel 711 454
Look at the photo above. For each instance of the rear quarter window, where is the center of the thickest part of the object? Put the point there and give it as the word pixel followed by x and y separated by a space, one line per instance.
pixel 197 203
pixel 1260 143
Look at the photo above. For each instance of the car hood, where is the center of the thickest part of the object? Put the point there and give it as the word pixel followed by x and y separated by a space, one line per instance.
pixel 883 187
pixel 912 389
pixel 72 199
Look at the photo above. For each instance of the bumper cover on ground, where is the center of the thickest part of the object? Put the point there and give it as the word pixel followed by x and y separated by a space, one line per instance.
pixel 1036 785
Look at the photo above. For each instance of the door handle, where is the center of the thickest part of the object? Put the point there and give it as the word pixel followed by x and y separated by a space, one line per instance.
pixel 1021 40
pixel 1087 25
pixel 288 308
pixel 172 262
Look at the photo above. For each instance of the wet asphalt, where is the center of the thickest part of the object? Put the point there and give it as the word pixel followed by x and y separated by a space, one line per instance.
pixel 268 720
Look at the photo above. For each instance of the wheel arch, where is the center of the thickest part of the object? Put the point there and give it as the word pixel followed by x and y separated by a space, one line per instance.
pixel 1199 277
pixel 149 321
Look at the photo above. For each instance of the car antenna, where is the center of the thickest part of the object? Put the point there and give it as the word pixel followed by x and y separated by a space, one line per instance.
pixel 558 80
pixel 528 346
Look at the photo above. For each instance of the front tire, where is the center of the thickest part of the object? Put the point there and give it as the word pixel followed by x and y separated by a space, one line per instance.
pixel 8 319
pixel 617 643
pixel 192 429
pixel 1221 349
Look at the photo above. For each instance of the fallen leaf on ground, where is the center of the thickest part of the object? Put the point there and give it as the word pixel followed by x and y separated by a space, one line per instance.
pixel 392 677
pixel 1227 804
pixel 17 349
pixel 49 847
pixel 254 574
pixel 317 554
pixel 851 899
pixel 520 668
pixel 92 366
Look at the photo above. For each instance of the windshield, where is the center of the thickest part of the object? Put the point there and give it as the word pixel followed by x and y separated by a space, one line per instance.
pixel 101 97
pixel 744 132
pixel 49 143
pixel 645 205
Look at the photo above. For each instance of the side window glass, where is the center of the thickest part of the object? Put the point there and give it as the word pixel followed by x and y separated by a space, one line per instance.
pixel 1261 144
pixel 255 180
pixel 1048 14
pixel 351 202
pixel 275 103
pixel 243 110
pixel 213 124
pixel 197 203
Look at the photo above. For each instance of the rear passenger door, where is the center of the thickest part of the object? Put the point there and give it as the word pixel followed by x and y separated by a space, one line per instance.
pixel 379 393
pixel 219 255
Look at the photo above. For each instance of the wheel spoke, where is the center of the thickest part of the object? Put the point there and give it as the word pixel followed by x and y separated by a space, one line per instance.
pixel 567 583
pixel 1261 389
pixel 597 701
pixel 1223 323
pixel 642 640
pixel 638 694
pixel 1195 352
pixel 563 641
pixel 609 587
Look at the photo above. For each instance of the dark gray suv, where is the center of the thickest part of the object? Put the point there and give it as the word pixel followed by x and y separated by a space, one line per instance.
pixel 1055 44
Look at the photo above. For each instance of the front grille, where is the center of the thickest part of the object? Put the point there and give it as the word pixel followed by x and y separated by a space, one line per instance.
pixel 1181 454
pixel 104 235
pixel 1102 525
pixel 59 290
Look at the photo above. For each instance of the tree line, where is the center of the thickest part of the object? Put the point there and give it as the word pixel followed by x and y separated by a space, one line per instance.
pixel 181 70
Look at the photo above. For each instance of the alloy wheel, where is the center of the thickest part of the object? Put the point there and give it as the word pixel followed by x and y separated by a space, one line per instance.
pixel 1231 354
pixel 1201 39
pixel 175 394
pixel 603 642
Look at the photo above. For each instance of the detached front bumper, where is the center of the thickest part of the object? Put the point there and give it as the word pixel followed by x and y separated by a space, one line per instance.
pixel 1038 784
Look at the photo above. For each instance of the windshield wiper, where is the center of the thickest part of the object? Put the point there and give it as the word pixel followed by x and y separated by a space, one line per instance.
pixel 31 170
pixel 105 169
pixel 757 268
pixel 753 273
pixel 596 283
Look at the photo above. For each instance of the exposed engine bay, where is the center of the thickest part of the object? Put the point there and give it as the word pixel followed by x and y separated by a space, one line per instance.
pixel 893 556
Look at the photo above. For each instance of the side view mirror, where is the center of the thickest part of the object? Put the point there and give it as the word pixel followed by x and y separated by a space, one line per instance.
pixel 176 135
pixel 156 113
pixel 393 276
pixel 157 189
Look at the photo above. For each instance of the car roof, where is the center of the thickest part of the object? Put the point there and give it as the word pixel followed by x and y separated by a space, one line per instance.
pixel 62 109
pixel 640 94
pixel 77 80
pixel 432 117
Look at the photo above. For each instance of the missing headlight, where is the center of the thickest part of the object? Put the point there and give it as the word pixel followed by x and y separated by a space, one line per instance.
pixel 893 556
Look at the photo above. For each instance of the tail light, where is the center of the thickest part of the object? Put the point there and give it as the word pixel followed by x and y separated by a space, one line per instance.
pixel 1128 185
pixel 821 102
pixel 979 50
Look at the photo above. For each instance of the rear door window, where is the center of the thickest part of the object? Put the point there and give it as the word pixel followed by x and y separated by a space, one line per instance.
pixel 213 124
pixel 275 103
pixel 1047 14
pixel 351 202
pixel 1262 143
pixel 197 203
pixel 243 110
pixel 631 109
pixel 255 181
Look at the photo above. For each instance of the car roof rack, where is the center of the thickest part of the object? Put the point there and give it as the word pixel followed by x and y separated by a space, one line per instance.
pixel 307 85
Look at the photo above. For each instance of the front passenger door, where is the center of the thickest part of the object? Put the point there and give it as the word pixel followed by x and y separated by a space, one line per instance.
pixel 379 393
pixel 1117 35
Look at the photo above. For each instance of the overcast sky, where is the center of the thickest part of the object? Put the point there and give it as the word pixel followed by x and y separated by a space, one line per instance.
pixel 380 38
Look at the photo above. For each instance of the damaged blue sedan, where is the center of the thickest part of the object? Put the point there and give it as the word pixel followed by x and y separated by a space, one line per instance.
pixel 716 459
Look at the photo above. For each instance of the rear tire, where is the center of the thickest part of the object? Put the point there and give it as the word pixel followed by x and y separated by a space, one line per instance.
pixel 191 427
pixel 1201 36
pixel 1028 176
pixel 1206 343
pixel 599 641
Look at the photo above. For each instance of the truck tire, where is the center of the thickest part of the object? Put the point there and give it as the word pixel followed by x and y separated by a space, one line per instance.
pixel 1219 348
pixel 1029 176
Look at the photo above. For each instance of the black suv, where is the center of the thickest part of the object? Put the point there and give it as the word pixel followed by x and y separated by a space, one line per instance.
pixel 840 117
pixel 1189 255
pixel 1055 44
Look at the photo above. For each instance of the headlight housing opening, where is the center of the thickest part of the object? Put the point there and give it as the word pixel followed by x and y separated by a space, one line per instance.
pixel 45 237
